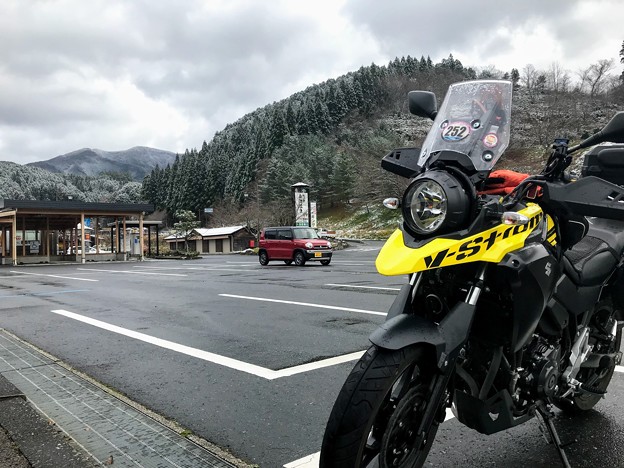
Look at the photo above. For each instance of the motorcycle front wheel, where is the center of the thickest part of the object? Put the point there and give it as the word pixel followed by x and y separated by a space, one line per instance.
pixel 375 420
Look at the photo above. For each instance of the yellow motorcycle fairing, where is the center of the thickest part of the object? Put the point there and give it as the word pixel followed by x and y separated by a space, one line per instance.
pixel 395 258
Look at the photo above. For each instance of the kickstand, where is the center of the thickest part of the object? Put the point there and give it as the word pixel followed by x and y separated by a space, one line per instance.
pixel 544 416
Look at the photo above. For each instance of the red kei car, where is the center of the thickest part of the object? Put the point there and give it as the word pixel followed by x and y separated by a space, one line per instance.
pixel 293 243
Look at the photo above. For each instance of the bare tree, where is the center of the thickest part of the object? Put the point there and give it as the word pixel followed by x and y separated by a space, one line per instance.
pixel 595 76
pixel 557 79
pixel 529 79
pixel 489 72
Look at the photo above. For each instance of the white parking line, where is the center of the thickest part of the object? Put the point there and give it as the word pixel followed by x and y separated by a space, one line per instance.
pixel 242 366
pixel 353 262
pixel 619 368
pixel 225 268
pixel 133 272
pixel 362 287
pixel 305 304
pixel 312 461
pixel 53 276
pixel 309 461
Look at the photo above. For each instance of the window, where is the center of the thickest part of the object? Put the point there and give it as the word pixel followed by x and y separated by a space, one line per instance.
pixel 219 243
pixel 205 245
pixel 305 233
pixel 284 234
pixel 270 234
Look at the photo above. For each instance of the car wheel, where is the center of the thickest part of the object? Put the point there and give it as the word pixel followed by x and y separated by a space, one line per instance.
pixel 263 258
pixel 325 262
pixel 299 258
pixel 287 262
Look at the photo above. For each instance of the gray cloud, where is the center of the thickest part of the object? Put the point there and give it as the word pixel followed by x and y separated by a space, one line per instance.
pixel 113 74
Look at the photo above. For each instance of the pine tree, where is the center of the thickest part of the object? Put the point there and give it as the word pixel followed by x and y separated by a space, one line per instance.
pixel 278 129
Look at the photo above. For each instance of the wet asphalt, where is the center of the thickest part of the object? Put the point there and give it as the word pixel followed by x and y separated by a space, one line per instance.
pixel 214 304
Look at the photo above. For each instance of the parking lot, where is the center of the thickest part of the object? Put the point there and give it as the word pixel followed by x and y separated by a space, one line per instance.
pixel 251 358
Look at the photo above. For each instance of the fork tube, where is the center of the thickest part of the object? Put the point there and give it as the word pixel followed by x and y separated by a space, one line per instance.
pixel 414 281
pixel 475 289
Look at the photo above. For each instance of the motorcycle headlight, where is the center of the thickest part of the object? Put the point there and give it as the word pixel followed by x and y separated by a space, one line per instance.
pixel 435 202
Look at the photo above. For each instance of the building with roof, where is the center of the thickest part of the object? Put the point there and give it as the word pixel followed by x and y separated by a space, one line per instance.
pixel 34 231
pixel 214 240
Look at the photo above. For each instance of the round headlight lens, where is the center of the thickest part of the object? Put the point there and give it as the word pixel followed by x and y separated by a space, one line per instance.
pixel 427 206
pixel 435 202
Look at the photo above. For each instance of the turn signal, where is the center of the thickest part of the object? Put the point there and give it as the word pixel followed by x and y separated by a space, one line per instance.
pixel 513 218
pixel 392 203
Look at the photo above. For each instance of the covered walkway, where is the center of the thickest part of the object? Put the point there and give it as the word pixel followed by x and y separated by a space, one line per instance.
pixel 48 231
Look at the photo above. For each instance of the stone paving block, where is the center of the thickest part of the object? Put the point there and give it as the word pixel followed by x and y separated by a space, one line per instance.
pixel 99 422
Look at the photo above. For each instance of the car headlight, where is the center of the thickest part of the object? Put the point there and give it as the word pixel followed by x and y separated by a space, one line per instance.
pixel 435 202
pixel 329 245
pixel 309 245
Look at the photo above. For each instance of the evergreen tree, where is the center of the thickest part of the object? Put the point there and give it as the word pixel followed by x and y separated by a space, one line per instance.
pixel 515 78
pixel 343 177
pixel 278 129
pixel 336 104
pixel 322 117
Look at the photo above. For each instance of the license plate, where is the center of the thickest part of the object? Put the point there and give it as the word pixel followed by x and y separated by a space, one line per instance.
pixel 318 254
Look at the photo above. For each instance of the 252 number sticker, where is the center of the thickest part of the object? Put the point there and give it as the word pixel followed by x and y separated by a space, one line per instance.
pixel 456 131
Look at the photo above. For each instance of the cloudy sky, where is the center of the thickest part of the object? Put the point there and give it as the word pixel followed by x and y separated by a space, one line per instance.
pixel 112 74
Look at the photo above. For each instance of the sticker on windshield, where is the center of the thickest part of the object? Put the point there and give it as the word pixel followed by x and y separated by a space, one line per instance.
pixel 456 131
pixel 490 140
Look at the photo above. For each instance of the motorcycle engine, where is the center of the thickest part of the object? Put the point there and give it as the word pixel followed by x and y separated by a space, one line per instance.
pixel 541 374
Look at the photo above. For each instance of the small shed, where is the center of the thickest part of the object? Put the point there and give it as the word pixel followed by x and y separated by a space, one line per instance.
pixel 214 240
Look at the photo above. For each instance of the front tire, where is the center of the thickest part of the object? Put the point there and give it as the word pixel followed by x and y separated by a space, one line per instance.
pixel 299 258
pixel 375 419
pixel 263 258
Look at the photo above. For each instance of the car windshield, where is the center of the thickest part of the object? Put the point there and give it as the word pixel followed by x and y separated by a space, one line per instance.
pixel 305 233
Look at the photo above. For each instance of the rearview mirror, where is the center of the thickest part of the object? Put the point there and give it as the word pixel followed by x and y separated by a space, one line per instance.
pixel 423 104
pixel 612 132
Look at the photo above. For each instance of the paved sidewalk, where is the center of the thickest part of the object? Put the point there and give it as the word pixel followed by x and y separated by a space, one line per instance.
pixel 27 439
pixel 53 417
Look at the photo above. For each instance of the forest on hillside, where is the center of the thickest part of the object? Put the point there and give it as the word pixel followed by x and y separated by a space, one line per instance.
pixel 333 135
pixel 32 183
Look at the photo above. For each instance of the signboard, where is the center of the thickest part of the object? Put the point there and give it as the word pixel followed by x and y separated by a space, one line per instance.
pixel 313 214
pixel 301 209
pixel 208 210
pixel 34 247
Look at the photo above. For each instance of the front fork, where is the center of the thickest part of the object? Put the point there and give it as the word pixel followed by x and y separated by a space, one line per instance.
pixel 457 330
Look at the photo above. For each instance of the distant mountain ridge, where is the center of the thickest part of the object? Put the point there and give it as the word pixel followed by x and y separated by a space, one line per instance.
pixel 138 161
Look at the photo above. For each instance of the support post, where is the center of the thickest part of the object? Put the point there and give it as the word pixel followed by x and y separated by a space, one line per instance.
pixel 14 240
pixel 141 241
pixel 83 249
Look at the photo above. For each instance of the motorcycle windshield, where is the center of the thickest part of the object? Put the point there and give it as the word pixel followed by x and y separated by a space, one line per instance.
pixel 474 119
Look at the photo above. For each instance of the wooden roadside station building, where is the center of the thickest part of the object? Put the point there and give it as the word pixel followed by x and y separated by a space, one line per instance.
pixel 51 231
pixel 215 240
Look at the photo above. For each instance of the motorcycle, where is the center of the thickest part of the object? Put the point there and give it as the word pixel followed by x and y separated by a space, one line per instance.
pixel 515 294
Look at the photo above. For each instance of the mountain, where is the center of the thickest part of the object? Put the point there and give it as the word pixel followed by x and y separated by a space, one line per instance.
pixel 137 161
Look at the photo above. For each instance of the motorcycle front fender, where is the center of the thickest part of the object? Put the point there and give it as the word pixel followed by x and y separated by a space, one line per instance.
pixel 446 338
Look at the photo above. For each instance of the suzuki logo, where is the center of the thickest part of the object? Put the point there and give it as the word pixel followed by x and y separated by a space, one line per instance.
pixel 548 269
